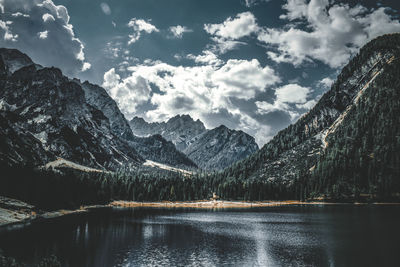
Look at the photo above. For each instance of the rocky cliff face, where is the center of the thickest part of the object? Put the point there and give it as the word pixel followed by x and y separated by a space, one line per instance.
pixel 98 97
pixel 213 149
pixel 152 147
pixel 50 112
pixel 180 129
pixel 220 147
pixel 44 115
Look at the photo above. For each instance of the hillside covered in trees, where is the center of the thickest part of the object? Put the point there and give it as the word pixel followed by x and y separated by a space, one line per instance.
pixel 345 148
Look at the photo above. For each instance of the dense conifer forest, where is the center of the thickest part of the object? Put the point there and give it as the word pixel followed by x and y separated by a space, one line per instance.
pixel 360 163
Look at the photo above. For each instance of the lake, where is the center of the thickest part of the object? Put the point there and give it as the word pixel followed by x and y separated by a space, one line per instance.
pixel 324 235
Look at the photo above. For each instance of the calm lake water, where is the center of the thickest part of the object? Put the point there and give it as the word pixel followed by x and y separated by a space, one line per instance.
pixel 342 235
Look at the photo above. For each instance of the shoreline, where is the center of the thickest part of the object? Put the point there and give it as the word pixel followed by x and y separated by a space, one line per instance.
pixel 223 204
pixel 16 214
pixel 14 217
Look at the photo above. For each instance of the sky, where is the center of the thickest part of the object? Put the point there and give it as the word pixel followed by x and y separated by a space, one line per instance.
pixel 252 65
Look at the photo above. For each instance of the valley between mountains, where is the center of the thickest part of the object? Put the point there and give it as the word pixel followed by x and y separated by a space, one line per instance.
pixel 65 143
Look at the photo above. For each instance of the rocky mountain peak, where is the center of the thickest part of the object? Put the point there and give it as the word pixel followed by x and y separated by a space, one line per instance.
pixel 179 129
pixel 48 114
pixel 13 59
pixel 220 147
pixel 210 149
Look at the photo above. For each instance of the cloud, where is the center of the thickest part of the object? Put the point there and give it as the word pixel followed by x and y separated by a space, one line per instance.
pixel 105 8
pixel 206 91
pixel 8 35
pixel 221 45
pixel 207 58
pixel 242 25
pixel 292 93
pixel 43 35
pixel 326 82
pixel 178 30
pixel 86 66
pixel 226 34
pixel 285 96
pixel 250 3
pixel 330 33
pixel 27 27
pixel 129 92
pixel 139 26
pixel 48 17
pixel 19 14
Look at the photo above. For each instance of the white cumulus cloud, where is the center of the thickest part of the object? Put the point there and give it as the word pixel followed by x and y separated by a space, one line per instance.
pixel 207 58
pixel 7 33
pixel 286 95
pixel 139 26
pixel 242 25
pixel 333 32
pixel 226 34
pixel 178 30
pixel 206 91
pixel 43 34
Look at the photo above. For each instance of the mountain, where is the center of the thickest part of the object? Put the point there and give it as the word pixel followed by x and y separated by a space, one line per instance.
pixel 220 147
pixel 180 129
pixel 98 97
pixel 349 143
pixel 45 115
pixel 152 147
pixel 43 104
pixel 156 148
pixel 213 149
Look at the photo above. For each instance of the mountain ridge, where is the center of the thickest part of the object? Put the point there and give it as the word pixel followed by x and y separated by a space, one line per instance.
pixel 53 116
pixel 298 151
pixel 210 149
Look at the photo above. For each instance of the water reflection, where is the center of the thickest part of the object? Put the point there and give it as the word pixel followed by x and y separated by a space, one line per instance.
pixel 286 236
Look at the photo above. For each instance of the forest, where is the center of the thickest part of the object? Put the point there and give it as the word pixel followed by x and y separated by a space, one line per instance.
pixel 361 162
